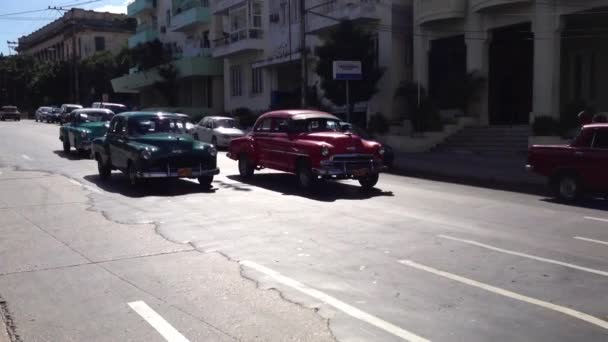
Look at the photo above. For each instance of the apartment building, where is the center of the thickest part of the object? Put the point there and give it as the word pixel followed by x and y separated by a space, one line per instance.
pixel 184 27
pixel 537 56
pixel 78 31
pixel 260 44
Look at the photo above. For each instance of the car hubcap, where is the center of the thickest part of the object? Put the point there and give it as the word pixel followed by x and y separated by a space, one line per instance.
pixel 304 179
pixel 567 187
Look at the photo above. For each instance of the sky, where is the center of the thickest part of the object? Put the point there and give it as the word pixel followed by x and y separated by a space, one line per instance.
pixel 13 26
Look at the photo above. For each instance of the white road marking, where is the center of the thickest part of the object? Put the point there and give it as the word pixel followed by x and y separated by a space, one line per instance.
pixel 591 240
pixel 596 219
pixel 88 187
pixel 26 157
pixel 566 311
pixel 529 256
pixel 157 322
pixel 336 303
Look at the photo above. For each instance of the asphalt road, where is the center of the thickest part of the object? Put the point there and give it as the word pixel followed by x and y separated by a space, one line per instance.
pixel 413 260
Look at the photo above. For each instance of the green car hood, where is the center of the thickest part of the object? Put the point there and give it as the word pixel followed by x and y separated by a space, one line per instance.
pixel 167 143
pixel 97 129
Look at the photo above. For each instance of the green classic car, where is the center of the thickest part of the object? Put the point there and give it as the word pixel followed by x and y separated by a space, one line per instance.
pixel 154 145
pixel 83 126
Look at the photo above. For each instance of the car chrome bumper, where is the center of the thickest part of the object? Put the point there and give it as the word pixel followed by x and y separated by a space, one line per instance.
pixel 175 174
pixel 348 169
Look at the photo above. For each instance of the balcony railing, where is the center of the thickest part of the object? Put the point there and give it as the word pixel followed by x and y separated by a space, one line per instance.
pixel 239 36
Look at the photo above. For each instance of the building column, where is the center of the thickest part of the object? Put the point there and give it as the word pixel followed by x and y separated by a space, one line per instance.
pixel 478 45
pixel 421 57
pixel 547 62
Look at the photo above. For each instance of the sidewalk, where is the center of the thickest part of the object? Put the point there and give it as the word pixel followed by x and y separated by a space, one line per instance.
pixel 492 171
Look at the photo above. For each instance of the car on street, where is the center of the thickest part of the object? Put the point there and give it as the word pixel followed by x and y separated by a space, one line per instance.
pixel 117 108
pixel 154 145
pixel 82 127
pixel 388 158
pixel 41 113
pixel 66 109
pixel 53 116
pixel 310 144
pixel 217 130
pixel 575 169
pixel 9 113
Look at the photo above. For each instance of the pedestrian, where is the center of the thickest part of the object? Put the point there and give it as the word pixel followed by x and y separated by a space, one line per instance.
pixel 585 117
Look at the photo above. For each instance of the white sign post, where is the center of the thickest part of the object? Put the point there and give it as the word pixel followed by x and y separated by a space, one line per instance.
pixel 347 71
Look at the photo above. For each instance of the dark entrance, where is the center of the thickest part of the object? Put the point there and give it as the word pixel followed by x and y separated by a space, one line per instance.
pixel 511 75
pixel 447 71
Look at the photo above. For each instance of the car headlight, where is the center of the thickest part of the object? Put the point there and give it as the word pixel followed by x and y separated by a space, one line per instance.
pixel 146 154
pixel 324 150
pixel 212 151
pixel 381 150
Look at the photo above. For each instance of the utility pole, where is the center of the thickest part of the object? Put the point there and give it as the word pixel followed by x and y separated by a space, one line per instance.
pixel 303 60
pixel 75 81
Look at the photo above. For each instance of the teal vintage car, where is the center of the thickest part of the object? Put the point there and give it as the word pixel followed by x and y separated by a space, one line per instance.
pixel 82 127
pixel 154 145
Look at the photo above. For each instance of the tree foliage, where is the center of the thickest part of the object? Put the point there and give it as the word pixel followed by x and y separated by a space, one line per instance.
pixel 348 42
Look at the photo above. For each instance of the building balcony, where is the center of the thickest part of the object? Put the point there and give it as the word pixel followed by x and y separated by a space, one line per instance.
pixel 480 5
pixel 191 18
pixel 429 11
pixel 186 67
pixel 145 33
pixel 222 6
pixel 241 41
pixel 357 10
pixel 139 7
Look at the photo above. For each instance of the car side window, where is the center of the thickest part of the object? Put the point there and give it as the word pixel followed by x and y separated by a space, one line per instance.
pixel 264 126
pixel 202 122
pixel 280 125
pixel 600 140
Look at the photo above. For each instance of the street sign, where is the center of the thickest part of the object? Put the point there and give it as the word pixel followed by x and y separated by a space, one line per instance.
pixel 347 70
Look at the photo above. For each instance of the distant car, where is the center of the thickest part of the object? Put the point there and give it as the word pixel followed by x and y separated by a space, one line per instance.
pixel 117 108
pixel 9 113
pixel 66 109
pixel 153 145
pixel 575 169
pixel 217 130
pixel 41 113
pixel 310 144
pixel 84 125
pixel 389 155
pixel 53 116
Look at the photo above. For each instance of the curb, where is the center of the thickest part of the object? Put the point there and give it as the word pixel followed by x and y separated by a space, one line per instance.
pixel 3 331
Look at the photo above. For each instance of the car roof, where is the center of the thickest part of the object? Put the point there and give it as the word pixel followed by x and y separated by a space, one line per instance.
pixel 219 118
pixel 109 104
pixel 9 107
pixel 131 115
pixel 299 114
pixel 93 110
pixel 597 125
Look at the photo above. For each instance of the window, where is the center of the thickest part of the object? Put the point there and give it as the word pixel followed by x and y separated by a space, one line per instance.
pixel 168 18
pixel 279 125
pixel 236 80
pixel 256 14
pixel 264 126
pixel 100 44
pixel 601 139
pixel 257 81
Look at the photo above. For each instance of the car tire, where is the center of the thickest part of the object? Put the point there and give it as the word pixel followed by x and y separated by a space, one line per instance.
pixel 205 181
pixel 214 142
pixel 369 181
pixel 305 176
pixel 245 168
pixel 132 174
pixel 105 171
pixel 66 146
pixel 567 187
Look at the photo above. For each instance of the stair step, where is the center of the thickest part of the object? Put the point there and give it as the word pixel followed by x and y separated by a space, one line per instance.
pixel 488 140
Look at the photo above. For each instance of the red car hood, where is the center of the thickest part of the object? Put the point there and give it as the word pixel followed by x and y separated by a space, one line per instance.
pixel 342 143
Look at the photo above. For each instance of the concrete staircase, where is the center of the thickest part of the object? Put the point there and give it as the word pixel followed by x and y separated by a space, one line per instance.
pixel 491 140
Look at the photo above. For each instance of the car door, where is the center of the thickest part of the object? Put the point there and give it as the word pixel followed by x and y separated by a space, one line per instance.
pixel 117 141
pixel 200 129
pixel 596 161
pixel 282 146
pixel 262 141
pixel 71 128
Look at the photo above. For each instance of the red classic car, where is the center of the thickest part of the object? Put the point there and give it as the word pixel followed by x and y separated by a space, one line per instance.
pixel 310 144
pixel 574 169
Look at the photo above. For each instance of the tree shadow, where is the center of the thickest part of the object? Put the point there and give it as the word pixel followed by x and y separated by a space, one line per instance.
pixel 119 184
pixel 325 191
pixel 73 155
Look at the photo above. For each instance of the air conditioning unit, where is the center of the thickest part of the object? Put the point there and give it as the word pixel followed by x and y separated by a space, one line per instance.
pixel 274 18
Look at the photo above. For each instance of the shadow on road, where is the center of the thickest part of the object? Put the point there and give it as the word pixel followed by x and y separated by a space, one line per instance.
pixel 73 155
pixel 586 203
pixel 119 184
pixel 325 192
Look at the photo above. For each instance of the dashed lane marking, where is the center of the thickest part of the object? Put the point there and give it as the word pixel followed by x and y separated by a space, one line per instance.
pixel 591 240
pixel 26 157
pixel 157 322
pixel 566 311
pixel 529 256
pixel 596 219
pixel 336 303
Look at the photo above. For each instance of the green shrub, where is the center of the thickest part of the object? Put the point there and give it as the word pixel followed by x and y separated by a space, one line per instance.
pixel 377 124
pixel 426 117
pixel 545 125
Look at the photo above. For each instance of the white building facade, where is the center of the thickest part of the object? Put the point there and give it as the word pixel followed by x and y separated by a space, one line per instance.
pixel 538 56
pixel 260 44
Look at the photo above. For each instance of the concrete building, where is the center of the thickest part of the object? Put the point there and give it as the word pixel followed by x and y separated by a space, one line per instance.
pixel 260 44
pixel 184 27
pixel 78 31
pixel 537 55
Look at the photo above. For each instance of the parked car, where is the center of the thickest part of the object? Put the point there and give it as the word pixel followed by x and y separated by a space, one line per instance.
pixel 310 144
pixel 53 116
pixel 117 108
pixel 575 169
pixel 82 127
pixel 9 113
pixel 389 155
pixel 66 109
pixel 217 130
pixel 154 145
pixel 41 113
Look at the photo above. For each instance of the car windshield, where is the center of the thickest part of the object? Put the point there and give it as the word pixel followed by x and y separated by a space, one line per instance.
pixel 151 125
pixel 95 116
pixel 316 125
pixel 9 109
pixel 226 123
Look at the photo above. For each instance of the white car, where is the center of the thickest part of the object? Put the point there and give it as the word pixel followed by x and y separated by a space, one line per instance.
pixel 217 130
